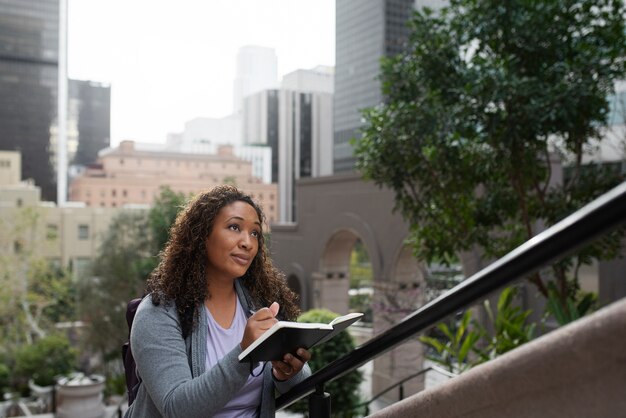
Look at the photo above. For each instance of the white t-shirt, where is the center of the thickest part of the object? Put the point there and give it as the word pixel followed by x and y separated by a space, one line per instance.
pixel 221 341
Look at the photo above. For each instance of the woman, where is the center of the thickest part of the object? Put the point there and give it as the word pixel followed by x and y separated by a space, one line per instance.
pixel 213 293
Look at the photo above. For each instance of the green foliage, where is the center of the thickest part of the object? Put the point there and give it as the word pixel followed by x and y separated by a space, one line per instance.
pixel 465 343
pixel 453 350
pixel 4 378
pixel 360 266
pixel 119 272
pixel 54 289
pixel 34 293
pixel 163 214
pixel 44 360
pixel 485 96
pixel 128 255
pixel 575 306
pixel 115 384
pixel 345 390
pixel 509 323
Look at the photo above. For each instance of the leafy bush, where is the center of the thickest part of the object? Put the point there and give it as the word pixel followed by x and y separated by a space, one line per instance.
pixel 4 378
pixel 510 324
pixel 344 391
pixel 115 384
pixel 453 344
pixel 454 347
pixel 49 357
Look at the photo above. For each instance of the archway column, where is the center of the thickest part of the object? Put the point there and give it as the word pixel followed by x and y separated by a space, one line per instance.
pixel 330 291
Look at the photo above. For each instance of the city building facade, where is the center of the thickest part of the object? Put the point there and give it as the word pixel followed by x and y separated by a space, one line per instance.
pixel 256 70
pixel 365 31
pixel 29 59
pixel 67 236
pixel 89 121
pixel 296 124
pixel 130 174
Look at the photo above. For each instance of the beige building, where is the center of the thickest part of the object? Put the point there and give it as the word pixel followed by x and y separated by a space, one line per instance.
pixel 66 236
pixel 131 175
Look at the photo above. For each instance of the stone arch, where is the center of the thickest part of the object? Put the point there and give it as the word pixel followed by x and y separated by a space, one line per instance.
pixel 295 280
pixel 332 281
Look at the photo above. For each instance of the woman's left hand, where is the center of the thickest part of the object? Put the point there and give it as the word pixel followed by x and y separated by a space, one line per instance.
pixel 290 364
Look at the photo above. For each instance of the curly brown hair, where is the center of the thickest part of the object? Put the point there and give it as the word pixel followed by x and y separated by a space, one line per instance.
pixel 181 273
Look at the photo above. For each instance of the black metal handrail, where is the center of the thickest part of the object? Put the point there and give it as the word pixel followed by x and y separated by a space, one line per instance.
pixel 605 213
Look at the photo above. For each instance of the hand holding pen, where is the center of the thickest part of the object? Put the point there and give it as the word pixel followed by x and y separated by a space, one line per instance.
pixel 261 321
pixel 258 323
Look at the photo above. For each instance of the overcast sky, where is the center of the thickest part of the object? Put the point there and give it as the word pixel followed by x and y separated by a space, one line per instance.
pixel 169 61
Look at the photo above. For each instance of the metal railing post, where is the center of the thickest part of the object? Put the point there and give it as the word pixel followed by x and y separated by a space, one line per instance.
pixel 319 403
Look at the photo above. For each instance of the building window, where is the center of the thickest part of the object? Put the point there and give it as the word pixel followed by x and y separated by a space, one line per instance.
pixel 80 267
pixel 124 193
pixel 19 203
pixel 52 232
pixel 121 161
pixel 113 193
pixel 5 163
pixel 83 232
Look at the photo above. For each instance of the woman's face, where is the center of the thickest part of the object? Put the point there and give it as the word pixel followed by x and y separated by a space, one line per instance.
pixel 233 242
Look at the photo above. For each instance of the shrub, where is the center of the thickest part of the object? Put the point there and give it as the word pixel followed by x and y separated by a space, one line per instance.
pixel 344 391
pixel 4 378
pixel 49 357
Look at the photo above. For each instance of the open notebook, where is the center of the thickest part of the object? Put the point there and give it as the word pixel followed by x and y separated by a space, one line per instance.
pixel 286 337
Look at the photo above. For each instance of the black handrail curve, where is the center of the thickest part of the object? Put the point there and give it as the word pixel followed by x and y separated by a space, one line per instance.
pixel 605 213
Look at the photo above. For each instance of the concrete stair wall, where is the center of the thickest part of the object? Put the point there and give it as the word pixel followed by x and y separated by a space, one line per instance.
pixel 578 370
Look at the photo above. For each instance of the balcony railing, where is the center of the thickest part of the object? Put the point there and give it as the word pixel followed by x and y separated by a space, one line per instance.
pixel 604 214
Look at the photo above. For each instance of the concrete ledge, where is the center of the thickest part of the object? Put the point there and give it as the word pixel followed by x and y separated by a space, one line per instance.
pixel 576 371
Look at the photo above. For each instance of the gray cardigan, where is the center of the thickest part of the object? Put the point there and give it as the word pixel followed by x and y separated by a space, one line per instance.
pixel 174 380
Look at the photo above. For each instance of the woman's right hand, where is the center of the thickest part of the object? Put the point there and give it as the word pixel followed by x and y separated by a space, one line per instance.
pixel 261 321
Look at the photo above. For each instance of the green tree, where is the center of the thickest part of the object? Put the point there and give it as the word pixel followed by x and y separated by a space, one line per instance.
pixel 34 293
pixel 49 357
pixel 345 390
pixel 118 275
pixel 127 256
pixel 163 214
pixel 486 96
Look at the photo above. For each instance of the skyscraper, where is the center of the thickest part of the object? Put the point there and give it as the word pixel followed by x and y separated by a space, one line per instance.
pixel 29 58
pixel 89 116
pixel 366 30
pixel 296 123
pixel 257 70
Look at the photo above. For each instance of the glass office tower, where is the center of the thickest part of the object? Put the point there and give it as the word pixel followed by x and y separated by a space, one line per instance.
pixel 365 32
pixel 29 56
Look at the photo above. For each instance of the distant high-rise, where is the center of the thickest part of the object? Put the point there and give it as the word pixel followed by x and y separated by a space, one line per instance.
pixel 29 58
pixel 89 118
pixel 366 30
pixel 257 70
pixel 296 123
